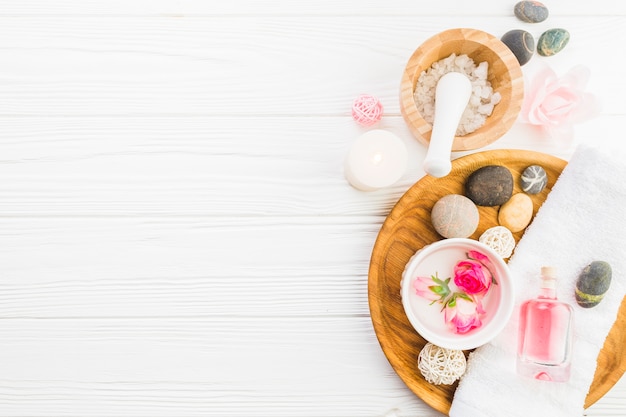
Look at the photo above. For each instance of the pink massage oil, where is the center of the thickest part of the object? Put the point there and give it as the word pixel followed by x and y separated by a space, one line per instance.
pixel 545 334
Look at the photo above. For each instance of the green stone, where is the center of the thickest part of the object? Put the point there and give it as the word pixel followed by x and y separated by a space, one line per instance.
pixel 552 41
pixel 592 283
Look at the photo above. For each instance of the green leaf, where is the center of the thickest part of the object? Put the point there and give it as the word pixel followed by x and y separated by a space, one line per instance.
pixel 463 296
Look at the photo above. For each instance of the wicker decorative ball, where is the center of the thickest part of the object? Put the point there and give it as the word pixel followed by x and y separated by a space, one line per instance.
pixel 441 366
pixel 500 239
pixel 367 110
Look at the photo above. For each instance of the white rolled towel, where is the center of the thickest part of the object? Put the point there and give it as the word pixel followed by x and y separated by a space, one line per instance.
pixel 582 220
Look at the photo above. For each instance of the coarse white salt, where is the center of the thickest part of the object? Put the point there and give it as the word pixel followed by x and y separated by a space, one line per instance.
pixel 481 102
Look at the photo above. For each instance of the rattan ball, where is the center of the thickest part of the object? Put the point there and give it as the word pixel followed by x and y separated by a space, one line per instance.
pixel 441 366
pixel 367 110
pixel 500 239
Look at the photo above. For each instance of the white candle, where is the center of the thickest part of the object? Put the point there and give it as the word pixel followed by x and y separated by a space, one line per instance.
pixel 376 159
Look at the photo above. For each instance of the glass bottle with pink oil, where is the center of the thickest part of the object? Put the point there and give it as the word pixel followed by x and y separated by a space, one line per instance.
pixel 545 334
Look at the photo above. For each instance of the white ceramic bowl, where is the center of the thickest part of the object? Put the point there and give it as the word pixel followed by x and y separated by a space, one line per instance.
pixel 428 319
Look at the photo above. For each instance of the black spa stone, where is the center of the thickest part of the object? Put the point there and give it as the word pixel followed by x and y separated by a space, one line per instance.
pixel 521 43
pixel 491 185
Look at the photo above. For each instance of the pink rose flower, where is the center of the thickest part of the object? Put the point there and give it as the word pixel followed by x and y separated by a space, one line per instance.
pixel 472 277
pixel 462 309
pixel 461 314
pixel 480 257
pixel 432 288
pixel 556 104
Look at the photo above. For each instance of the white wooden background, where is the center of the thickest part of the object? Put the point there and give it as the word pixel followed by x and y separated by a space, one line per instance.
pixel 176 234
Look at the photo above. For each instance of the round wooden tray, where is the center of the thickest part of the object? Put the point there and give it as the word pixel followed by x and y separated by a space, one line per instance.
pixel 408 228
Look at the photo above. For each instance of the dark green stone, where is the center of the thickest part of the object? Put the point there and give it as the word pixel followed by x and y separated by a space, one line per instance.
pixel 531 11
pixel 552 41
pixel 521 43
pixel 592 283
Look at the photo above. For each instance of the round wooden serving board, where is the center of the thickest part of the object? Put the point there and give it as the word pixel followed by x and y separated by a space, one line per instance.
pixel 408 229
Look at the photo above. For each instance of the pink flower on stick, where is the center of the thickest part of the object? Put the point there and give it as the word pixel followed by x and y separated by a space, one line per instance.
pixel 461 313
pixel 556 104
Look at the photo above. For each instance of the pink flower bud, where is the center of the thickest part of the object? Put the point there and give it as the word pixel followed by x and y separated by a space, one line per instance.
pixel 432 288
pixel 461 314
pixel 422 286
pixel 472 277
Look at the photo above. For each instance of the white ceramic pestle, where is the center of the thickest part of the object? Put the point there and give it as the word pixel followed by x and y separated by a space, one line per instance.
pixel 451 97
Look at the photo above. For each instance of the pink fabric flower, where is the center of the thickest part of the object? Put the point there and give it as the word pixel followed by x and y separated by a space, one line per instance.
pixel 556 104
pixel 472 276
pixel 461 314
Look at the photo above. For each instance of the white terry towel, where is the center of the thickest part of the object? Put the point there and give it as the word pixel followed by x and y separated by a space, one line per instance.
pixel 582 220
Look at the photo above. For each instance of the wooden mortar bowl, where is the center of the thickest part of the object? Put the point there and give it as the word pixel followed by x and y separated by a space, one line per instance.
pixel 504 74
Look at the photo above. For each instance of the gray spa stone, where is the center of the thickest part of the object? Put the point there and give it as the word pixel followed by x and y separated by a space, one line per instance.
pixel 533 179
pixel 531 11
pixel 455 215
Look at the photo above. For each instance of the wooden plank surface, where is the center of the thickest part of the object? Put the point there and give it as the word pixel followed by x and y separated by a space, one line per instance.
pixel 449 8
pixel 176 234
pixel 245 66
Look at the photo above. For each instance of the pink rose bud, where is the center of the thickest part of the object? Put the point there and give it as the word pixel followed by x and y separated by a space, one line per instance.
pixel 432 288
pixel 461 314
pixel 472 277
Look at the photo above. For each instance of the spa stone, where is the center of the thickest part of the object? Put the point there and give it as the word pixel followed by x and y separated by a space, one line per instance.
pixel 552 41
pixel 531 11
pixel 534 179
pixel 491 185
pixel 516 213
pixel 593 283
pixel 454 215
pixel 521 43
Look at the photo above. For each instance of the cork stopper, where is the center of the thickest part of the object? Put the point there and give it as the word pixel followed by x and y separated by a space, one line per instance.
pixel 548 277
pixel 548 272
